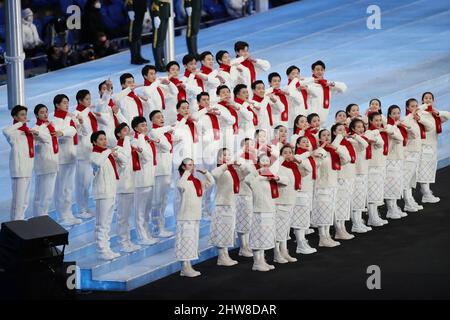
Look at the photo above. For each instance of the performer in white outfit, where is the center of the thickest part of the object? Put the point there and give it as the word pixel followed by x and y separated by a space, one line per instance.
pixel 248 119
pixel 83 177
pixel 286 116
pixel 419 125
pixel 172 98
pixel 131 104
pixel 21 160
pixel 298 93
pixel 66 131
pixel 228 176
pixel 363 149
pixel 312 131
pixel 230 133
pixel 324 204
pixel 46 161
pixel 126 186
pixel 378 138
pixel 213 78
pixel 265 189
pixel 428 160
pixel 105 164
pixel 193 79
pixel 227 71
pixel 247 65
pixel 299 130
pixel 188 219
pixel 393 183
pixel 320 91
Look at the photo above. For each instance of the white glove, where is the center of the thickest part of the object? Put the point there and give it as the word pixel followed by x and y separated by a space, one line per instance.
pixel 131 15
pixel 157 22
pixel 189 11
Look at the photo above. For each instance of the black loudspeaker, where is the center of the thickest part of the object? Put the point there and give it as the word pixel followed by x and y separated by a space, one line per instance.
pixel 31 264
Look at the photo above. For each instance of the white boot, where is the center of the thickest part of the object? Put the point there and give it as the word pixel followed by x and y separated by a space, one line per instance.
pixel 302 244
pixel 285 252
pixel 391 213
pixel 357 224
pixel 410 204
pixel 188 271
pixel 427 194
pixel 277 256
pixel 399 211
pixel 224 259
pixel 244 250
pixel 309 231
pixel 374 218
pixel 129 246
pixel 163 233
pixel 258 263
pixel 108 254
pixel 330 239
pixel 341 232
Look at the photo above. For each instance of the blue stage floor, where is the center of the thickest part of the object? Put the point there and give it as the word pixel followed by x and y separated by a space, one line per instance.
pixel 409 55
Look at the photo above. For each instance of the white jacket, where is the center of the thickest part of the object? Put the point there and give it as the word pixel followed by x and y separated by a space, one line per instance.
pixel 296 102
pixel 395 144
pixel 104 185
pixel 191 204
pixel 106 120
pixel 315 95
pixel 153 96
pixel 224 194
pixel 84 134
pixel 128 106
pixel 30 35
pixel 67 149
pixel 192 89
pixel 126 173
pixel 414 142
pixel 45 159
pixel 244 76
pixel 20 163
pixel 163 150
pixel 146 176
pixel 263 114
pixel 186 148
pixel 378 158
pixel 210 85
pixel 432 136
pixel 245 116
pixel 360 145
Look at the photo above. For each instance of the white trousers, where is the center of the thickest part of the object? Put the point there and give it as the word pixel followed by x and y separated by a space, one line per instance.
pixel 125 206
pixel 43 193
pixel 20 197
pixel 84 178
pixel 104 209
pixel 143 205
pixel 64 188
pixel 160 194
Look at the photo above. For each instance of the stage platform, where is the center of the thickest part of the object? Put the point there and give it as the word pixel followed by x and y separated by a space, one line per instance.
pixel 410 54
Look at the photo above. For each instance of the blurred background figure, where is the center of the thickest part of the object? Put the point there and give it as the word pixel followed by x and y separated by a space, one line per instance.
pixel 31 40
pixel 136 11
pixel 194 15
pixel 160 13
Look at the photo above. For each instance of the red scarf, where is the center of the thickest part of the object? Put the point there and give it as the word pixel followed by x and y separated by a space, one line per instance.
pixel 335 160
pixel 215 124
pixel 62 115
pixel 116 121
pixel 181 92
pixel 248 64
pixel 233 112
pixel 161 94
pixel 293 166
pixel 326 92
pixel 197 185
pixel 273 184
pixel 350 149
pixel 423 134
pixel 309 133
pixel 191 126
pixel 437 119
pixel 268 107
pixel 152 146
pixel 167 135
pixel 30 138
pixel 402 130
pixel 368 149
pixel 225 67
pixel 138 102
pixel 283 99
pixel 249 156
pixel 51 129
pixel 92 119
pixel 197 78
pixel 311 161
pixel 385 138
pixel 303 91
pixel 297 130
pixel 134 156
pixel 110 157
pixel 234 176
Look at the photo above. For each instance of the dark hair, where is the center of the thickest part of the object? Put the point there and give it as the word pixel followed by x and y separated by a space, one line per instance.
pixel 240 45
pixel 219 88
pixel 153 113
pixel 119 128
pixel 379 102
pixel 311 116
pixel 409 101
pixel 204 54
pixel 339 111
pixel 101 85
pixel 292 68
pixel 318 63
pixel 349 108
pixel 278 127
pixel 188 58
pixel 286 146
pixel 146 69
pixel 353 123
pixel 333 129
pixel 321 131
pixel 201 94
pixel 59 98
pixel 425 93
pixel 273 75
pixel 373 115
pixel 180 167
pixel 179 103
pixel 258 131
pixel 172 63
pixel 243 141
pixel 82 94
pixel 298 118
pixel 39 107
pixel 255 83
pixel 136 121
pixel 96 134
pixel 238 88
pixel 17 109
pixel 298 141
pixel 220 153
pixel 124 77
pixel 219 55
pixel 392 107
